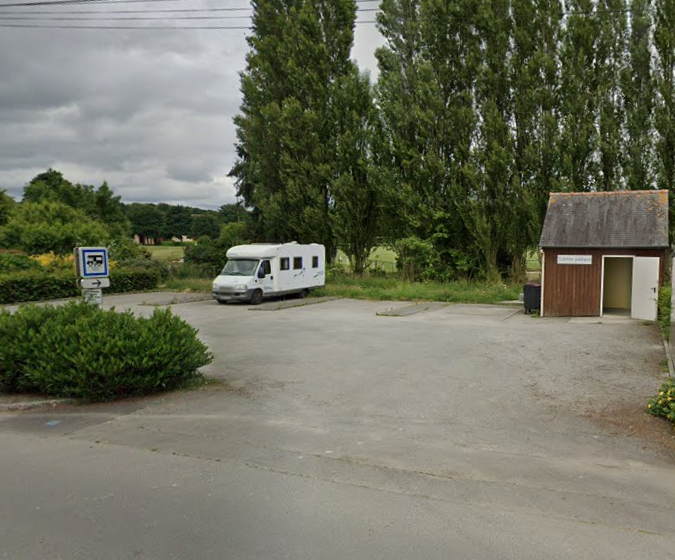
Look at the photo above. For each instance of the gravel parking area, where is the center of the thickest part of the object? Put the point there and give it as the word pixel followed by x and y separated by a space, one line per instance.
pixel 520 437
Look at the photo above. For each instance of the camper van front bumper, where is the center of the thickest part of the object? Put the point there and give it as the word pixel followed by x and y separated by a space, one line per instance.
pixel 222 294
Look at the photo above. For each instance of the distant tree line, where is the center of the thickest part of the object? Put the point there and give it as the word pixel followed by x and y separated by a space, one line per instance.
pixel 481 108
pixel 55 215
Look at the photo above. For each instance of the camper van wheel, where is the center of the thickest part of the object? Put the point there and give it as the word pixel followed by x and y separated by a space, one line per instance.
pixel 303 294
pixel 257 297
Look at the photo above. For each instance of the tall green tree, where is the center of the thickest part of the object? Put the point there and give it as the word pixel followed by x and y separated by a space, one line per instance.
pixel 177 221
pixel 204 225
pixel 356 189
pixel 52 185
pixel 495 197
pixel 664 43
pixel 426 95
pixel 110 210
pixel 229 213
pixel 299 52
pixel 609 63
pixel 638 99
pixel 535 87
pixel 146 219
pixel 7 207
pixel 579 100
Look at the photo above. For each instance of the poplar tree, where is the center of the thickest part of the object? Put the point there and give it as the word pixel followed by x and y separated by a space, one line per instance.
pixel 638 98
pixel 299 52
pixel 610 52
pixel 664 43
pixel 579 100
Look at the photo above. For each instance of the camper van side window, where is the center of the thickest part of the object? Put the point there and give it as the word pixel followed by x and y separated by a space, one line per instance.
pixel 284 263
pixel 297 263
pixel 315 262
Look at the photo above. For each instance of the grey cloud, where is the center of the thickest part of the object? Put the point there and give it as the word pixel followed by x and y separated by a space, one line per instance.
pixel 149 111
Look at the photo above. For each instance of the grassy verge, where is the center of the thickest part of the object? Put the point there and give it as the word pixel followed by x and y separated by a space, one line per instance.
pixel 533 263
pixel 189 284
pixel 386 289
pixel 165 253
pixel 393 289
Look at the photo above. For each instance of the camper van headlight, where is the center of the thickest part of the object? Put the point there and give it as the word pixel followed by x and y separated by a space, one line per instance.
pixel 241 287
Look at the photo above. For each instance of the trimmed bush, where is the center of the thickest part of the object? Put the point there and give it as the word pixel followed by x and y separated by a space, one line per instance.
pixel 14 261
pixel 41 285
pixel 159 267
pixel 663 404
pixel 79 350
pixel 132 280
pixel 36 286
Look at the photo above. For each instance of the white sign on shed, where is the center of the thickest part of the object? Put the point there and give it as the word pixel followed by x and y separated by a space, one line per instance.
pixel 575 259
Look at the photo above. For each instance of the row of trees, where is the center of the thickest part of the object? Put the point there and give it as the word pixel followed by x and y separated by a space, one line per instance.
pixel 55 215
pixel 166 221
pixel 481 108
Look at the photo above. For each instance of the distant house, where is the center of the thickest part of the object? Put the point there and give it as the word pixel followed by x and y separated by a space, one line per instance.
pixel 146 240
pixel 604 253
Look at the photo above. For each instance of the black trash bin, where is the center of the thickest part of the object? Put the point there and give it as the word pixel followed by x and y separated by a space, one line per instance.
pixel 532 296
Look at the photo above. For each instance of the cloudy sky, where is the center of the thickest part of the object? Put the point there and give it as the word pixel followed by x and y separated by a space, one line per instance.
pixel 150 111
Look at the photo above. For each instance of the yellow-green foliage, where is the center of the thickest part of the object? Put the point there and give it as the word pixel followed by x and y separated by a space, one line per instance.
pixel 663 404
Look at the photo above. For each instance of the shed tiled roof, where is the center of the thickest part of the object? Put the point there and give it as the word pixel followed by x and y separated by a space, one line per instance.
pixel 606 219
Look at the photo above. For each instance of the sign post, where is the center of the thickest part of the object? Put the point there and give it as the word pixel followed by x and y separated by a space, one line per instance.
pixel 91 265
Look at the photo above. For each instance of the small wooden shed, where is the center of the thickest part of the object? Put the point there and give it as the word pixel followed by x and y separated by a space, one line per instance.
pixel 604 253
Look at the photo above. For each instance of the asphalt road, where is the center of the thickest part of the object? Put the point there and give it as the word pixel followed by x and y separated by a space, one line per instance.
pixel 464 432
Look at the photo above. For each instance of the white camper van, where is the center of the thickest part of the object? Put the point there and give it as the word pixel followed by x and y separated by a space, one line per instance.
pixel 257 271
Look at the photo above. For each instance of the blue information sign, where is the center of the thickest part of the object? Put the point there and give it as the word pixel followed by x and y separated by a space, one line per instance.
pixel 92 262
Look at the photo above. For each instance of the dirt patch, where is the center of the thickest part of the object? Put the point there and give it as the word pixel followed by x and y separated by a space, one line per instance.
pixel 628 420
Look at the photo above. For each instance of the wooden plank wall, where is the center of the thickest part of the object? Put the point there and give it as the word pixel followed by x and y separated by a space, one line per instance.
pixel 574 290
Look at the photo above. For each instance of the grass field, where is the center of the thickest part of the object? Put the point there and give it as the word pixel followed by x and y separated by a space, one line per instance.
pixel 387 289
pixel 189 284
pixel 165 253
pixel 533 263
pixel 381 257
pixel 393 289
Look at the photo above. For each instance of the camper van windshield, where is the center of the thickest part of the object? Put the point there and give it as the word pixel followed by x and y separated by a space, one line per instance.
pixel 240 267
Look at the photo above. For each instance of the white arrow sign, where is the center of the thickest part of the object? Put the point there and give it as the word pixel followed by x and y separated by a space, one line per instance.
pixel 91 283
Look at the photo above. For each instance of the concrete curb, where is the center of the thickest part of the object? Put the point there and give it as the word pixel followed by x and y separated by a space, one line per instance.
pixel 33 405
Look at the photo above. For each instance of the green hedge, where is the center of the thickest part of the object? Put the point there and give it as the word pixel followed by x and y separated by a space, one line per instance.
pixel 14 261
pixel 79 350
pixel 39 285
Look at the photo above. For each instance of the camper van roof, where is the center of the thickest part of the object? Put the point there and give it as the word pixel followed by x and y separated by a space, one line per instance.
pixel 256 251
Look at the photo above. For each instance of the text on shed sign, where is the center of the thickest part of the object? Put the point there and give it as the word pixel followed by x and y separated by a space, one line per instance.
pixel 575 259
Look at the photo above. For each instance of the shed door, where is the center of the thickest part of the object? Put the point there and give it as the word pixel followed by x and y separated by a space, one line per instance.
pixel 645 288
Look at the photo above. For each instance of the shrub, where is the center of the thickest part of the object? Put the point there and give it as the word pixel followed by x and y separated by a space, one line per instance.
pixel 41 227
pixel 55 262
pixel 41 285
pixel 132 280
pixel 665 294
pixel 37 285
pixel 79 350
pixel 123 249
pixel 206 253
pixel 663 404
pixel 158 267
pixel 13 261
